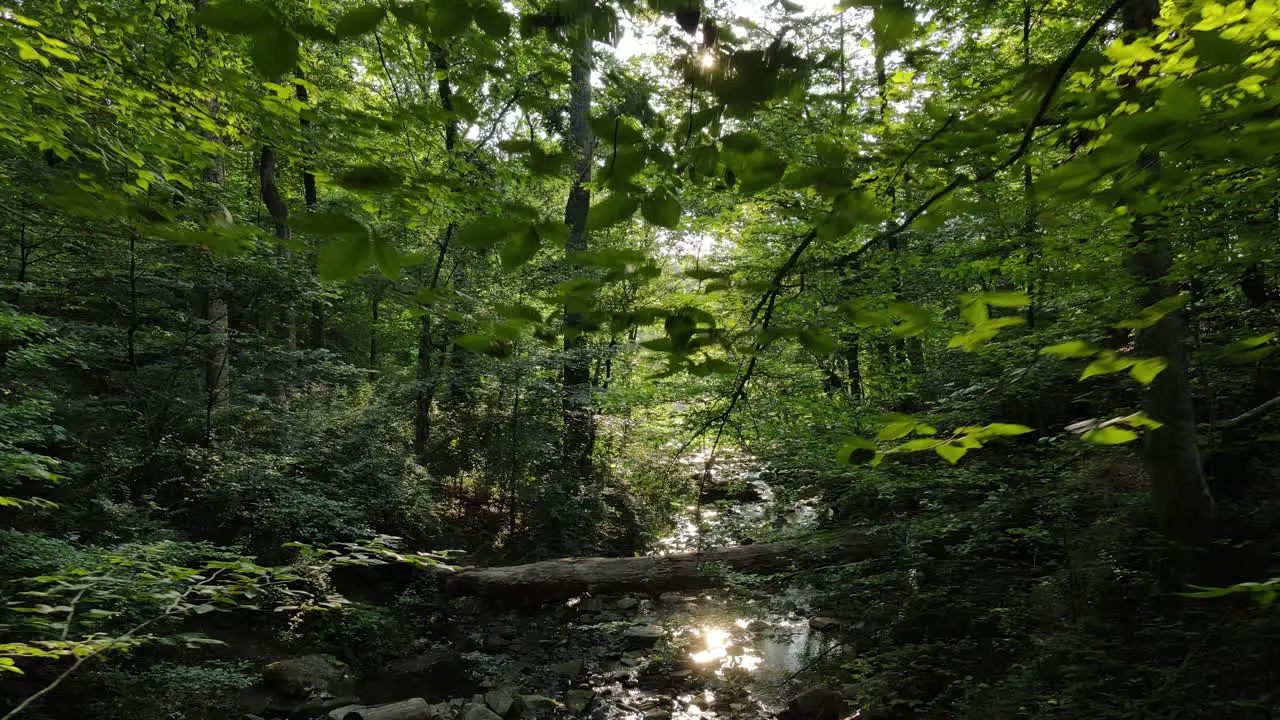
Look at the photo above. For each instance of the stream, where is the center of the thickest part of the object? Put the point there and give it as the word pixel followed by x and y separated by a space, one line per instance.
pixel 672 656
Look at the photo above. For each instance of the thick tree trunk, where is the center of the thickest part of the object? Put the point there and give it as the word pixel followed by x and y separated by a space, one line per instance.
pixel 576 405
pixel 1172 460
pixel 554 579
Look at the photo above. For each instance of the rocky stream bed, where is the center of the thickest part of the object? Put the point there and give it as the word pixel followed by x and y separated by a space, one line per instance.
pixel 734 655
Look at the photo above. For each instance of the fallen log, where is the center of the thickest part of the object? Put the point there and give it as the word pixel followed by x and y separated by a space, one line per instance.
pixel 567 577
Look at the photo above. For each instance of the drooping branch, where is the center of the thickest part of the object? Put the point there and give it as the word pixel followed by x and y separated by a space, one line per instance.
pixel 1244 417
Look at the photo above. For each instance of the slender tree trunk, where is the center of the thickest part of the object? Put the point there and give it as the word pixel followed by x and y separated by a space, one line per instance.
pixel 132 332
pixel 852 367
pixel 311 197
pixel 1182 501
pixel 1030 208
pixel 427 382
pixel 375 302
pixel 214 306
pixel 279 213
pixel 576 390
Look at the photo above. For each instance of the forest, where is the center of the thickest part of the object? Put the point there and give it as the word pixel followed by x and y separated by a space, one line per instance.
pixel 639 359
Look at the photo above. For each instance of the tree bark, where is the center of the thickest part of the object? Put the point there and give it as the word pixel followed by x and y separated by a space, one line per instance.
pixel 1182 501
pixel 426 376
pixel 279 214
pixel 576 405
pixel 555 579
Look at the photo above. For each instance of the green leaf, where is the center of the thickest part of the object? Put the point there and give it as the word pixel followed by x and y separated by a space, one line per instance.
pixel 359 21
pixel 274 53
pixel 856 451
pixel 492 20
pixel 331 224
pixel 1003 429
pixel 520 249
pixel 487 232
pixel 917 445
pixel 818 341
pixel 612 210
pixel 387 259
pixel 1005 299
pixel 1109 362
pixel 344 258
pixel 951 452
pixel 973 310
pixel 1070 349
pixel 915 319
pixel 485 344
pixel 1146 370
pixel 370 178
pixel 449 18
pixel 898 429
pixel 519 311
pixel 1110 435
pixel 235 16
pixel 661 209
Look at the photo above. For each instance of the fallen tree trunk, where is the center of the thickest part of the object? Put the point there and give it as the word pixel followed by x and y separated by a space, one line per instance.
pixel 553 579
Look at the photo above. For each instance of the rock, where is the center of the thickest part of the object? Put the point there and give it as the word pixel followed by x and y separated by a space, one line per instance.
pixel 307 676
pixel 538 702
pixel 625 604
pixel 434 674
pixel 631 661
pixel 823 624
pixel 500 701
pixel 576 700
pixel 495 642
pixel 657 714
pixel 572 668
pixel 477 711
pixel 670 597
pixel 592 605
pixel 621 675
pixel 642 636
pixel 815 704
pixel 411 709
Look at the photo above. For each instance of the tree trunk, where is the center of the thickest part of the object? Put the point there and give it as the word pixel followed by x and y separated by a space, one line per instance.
pixel 427 382
pixel 576 390
pixel 279 213
pixel 1182 501
pixel 567 577
pixel 214 308
pixel 311 197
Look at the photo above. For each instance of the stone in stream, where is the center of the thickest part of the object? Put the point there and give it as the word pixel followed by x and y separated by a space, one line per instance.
pixel 538 702
pixel 494 642
pixel 307 676
pixel 571 668
pixel 657 714
pixel 642 636
pixel 501 701
pixel 411 709
pixel 815 704
pixel 435 674
pixel 477 711
pixel 625 604
pixel 670 597
pixel 824 624
pixel 577 700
